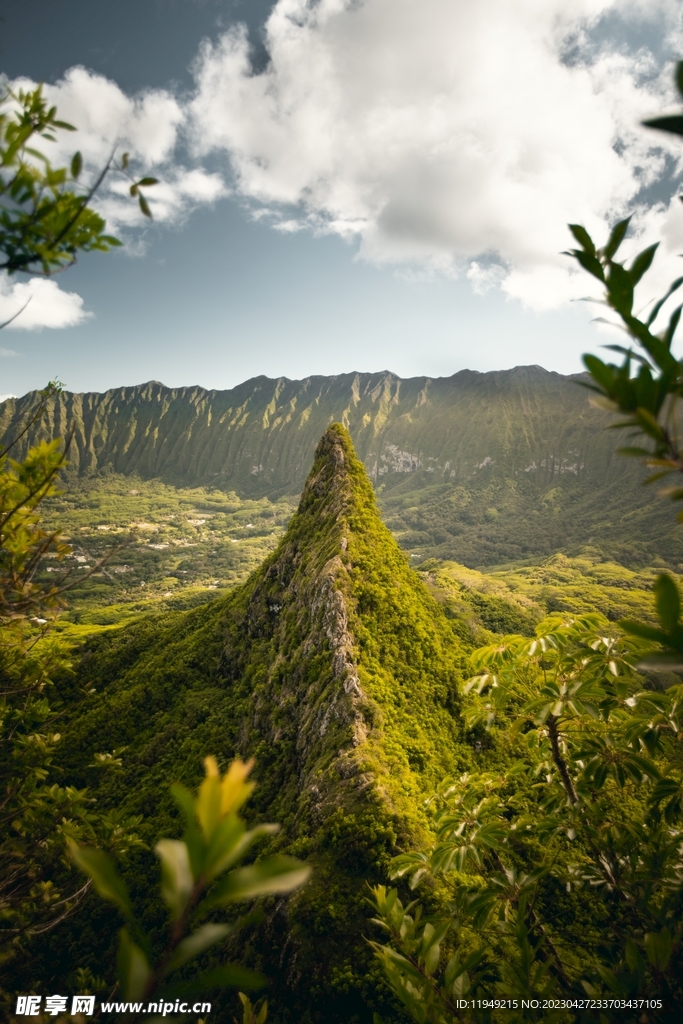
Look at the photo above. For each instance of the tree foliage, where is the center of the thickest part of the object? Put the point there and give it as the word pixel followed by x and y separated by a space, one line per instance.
pixel 561 873
pixel 647 386
pixel 589 815
pixel 45 216
pixel 199 877
pixel 37 815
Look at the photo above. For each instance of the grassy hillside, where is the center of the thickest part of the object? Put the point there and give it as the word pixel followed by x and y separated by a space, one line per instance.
pixel 338 671
pixel 180 547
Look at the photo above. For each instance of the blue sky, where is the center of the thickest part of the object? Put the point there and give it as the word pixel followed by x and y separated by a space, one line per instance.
pixel 349 187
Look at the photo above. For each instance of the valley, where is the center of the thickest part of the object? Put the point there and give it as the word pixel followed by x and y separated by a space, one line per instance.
pixel 327 633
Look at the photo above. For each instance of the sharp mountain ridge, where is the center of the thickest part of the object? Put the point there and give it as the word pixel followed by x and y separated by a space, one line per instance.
pixel 336 669
pixel 259 437
pixel 480 468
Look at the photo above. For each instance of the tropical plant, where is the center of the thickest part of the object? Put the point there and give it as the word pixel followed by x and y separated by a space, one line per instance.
pixel 646 388
pixel 45 217
pixel 588 815
pixel 199 877
pixel 45 221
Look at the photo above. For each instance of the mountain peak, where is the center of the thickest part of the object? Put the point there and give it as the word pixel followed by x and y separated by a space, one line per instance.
pixel 337 483
pixel 335 668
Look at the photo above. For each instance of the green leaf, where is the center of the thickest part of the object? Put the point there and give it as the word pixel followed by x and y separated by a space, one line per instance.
pixel 668 602
pixel 193 834
pixel 678 76
pixel 230 842
pixel 274 874
pixel 148 181
pixel 191 947
pixel 583 238
pixel 634 452
pixel 106 879
pixel 658 305
pixel 227 976
pixel 672 123
pixel 633 957
pixel 642 263
pixel 589 263
pixel 620 289
pixel 144 206
pixel 125 160
pixel 658 948
pixel 134 970
pixel 76 165
pixel 176 874
pixel 672 325
pixel 248 1014
pixel 600 372
pixel 616 238
pixel 648 423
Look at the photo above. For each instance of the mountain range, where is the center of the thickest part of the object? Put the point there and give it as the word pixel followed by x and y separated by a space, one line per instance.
pixel 482 468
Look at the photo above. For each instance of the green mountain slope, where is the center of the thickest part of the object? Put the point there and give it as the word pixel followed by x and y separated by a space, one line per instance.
pixel 480 468
pixel 338 671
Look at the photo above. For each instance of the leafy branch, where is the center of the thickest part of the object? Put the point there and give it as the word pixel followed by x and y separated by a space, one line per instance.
pixel 199 876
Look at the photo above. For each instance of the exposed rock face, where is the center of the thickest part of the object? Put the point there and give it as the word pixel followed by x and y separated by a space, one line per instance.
pixel 300 614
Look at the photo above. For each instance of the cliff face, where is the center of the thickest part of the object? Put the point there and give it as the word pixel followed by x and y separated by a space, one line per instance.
pixel 335 668
pixel 480 468
pixel 259 438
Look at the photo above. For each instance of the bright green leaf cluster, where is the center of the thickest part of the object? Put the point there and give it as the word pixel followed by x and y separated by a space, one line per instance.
pixel 649 397
pixel 198 876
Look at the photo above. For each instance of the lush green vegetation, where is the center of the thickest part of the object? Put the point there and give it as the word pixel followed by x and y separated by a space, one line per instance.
pixel 561 862
pixel 38 815
pixel 170 548
pixel 45 219
pixel 477 468
pixel 514 598
pixel 563 866
pixel 332 666
pixel 199 879
pixel 166 548
pixel 548 858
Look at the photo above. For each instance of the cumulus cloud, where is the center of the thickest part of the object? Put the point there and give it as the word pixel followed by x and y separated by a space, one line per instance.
pixel 444 136
pixel 39 303
pixel 453 135
pixel 149 126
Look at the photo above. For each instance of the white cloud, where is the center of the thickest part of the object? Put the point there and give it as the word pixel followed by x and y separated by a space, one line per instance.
pixel 45 305
pixel 448 134
pixel 148 126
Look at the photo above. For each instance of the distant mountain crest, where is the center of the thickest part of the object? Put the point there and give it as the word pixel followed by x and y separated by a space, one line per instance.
pixel 259 438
